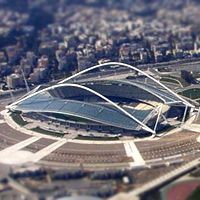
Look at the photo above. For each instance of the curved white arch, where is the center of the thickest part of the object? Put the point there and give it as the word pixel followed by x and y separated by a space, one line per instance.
pixel 131 67
pixel 93 92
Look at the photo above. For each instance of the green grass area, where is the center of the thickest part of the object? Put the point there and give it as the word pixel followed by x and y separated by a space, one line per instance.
pixel 168 78
pixel 80 137
pixel 47 132
pixel 191 93
pixel 165 79
pixel 195 195
pixel 18 119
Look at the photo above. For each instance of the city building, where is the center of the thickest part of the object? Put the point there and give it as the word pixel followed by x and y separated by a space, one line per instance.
pixel 14 81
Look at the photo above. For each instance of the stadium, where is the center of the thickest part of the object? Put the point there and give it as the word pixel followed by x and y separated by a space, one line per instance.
pixel 112 98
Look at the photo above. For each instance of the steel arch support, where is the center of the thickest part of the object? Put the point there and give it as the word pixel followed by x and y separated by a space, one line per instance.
pixel 133 68
pixel 92 91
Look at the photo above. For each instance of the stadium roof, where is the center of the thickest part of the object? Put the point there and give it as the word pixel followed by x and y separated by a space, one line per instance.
pixel 107 112
pixel 99 113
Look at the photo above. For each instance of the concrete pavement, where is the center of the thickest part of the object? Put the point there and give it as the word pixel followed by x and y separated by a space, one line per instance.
pixel 15 155
pixel 19 145
pixel 47 150
pixel 132 151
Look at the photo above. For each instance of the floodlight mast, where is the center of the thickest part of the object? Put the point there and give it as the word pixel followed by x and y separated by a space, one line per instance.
pixel 25 81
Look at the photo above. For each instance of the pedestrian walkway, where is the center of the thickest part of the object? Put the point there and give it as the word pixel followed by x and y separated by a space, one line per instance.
pixel 16 155
pixel 192 127
pixel 47 150
pixel 19 145
pixel 132 151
